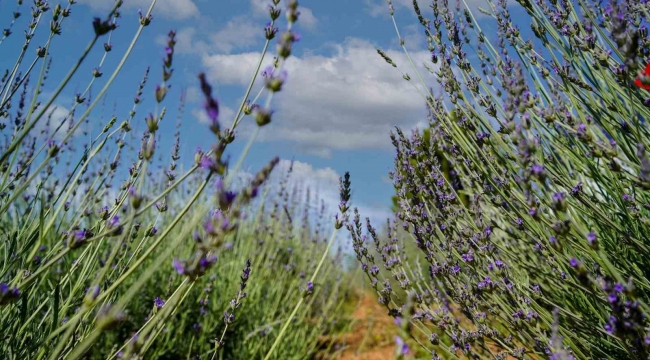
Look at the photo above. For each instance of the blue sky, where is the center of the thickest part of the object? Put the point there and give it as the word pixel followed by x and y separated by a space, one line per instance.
pixel 334 114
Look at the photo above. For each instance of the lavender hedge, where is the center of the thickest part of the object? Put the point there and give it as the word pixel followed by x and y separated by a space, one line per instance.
pixel 528 195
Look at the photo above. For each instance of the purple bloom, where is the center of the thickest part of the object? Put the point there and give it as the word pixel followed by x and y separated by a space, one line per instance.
pixel 573 262
pixel 211 105
pixel 158 302
pixel 206 261
pixel 455 270
pixel 206 162
pixel 8 294
pixel 469 256
pixel 612 298
pixel 374 270
pixel 270 31
pixel 577 189
pixel 537 169
pixel 274 82
pixel 591 238
pixel 179 266
pixel 401 346
pixel 309 289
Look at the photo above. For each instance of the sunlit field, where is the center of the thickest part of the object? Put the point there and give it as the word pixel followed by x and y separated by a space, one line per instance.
pixel 193 179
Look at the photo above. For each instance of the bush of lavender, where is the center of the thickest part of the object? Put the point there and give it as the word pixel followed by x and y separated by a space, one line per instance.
pixel 528 195
pixel 110 249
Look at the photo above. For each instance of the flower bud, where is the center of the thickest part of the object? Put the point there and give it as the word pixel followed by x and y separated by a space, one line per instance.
pixel 262 116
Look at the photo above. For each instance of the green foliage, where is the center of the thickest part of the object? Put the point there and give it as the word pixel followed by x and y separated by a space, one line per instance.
pixel 527 196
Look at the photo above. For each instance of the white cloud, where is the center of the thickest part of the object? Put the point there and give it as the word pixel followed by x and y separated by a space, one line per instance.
pixel 349 100
pixel 173 9
pixel 260 7
pixel 226 115
pixel 193 95
pixel 237 33
pixel 56 116
pixel 306 20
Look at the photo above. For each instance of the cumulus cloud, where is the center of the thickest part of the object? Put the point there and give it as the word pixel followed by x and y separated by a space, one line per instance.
pixel 58 116
pixel 350 99
pixel 225 113
pixel 237 33
pixel 172 9
pixel 306 20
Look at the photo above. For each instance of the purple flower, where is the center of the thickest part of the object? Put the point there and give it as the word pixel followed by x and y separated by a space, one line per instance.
pixel 158 302
pixel 179 266
pixel 374 270
pixel 401 346
pixel 469 256
pixel 612 298
pixel 270 31
pixel 577 189
pixel 487 231
pixel 591 238
pixel 8 294
pixel 206 261
pixel 573 262
pixel 211 105
pixel 272 81
pixel 537 169
pixel 309 289
pixel 206 162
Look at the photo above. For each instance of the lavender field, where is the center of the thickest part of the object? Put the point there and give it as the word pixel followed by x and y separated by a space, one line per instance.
pixel 344 179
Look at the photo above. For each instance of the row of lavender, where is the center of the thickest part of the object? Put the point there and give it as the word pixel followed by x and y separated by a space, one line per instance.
pixel 175 262
pixel 528 196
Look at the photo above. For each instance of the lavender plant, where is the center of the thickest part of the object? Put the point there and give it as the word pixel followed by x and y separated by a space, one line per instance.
pixel 527 196
pixel 174 261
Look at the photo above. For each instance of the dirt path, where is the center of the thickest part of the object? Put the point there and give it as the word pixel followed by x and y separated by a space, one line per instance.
pixel 373 335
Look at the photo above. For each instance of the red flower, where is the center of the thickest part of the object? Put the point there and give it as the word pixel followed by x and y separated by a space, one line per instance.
pixel 646 73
